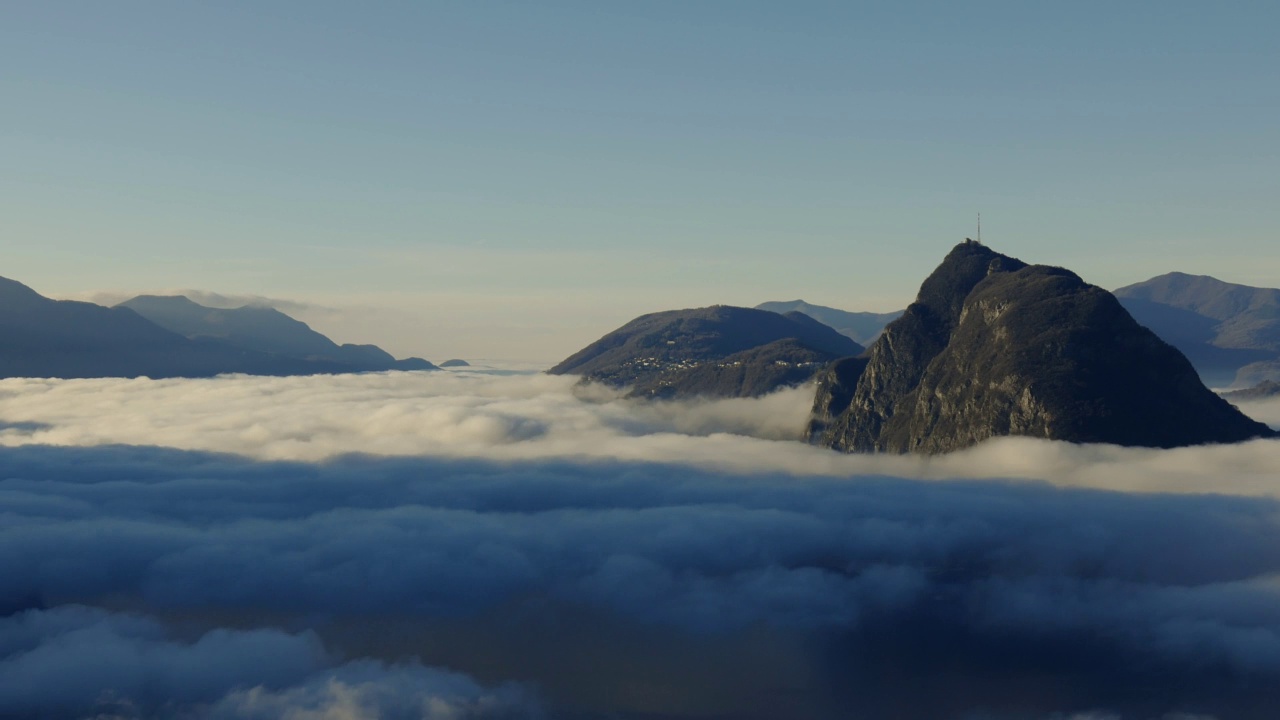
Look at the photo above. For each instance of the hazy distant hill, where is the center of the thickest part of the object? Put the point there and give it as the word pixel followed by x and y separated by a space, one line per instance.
pixel 263 329
pixel 50 338
pixel 862 327
pixel 993 346
pixel 61 338
pixel 1221 327
pixel 718 351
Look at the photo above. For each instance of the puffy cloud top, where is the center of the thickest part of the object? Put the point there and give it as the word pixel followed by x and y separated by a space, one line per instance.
pixel 593 557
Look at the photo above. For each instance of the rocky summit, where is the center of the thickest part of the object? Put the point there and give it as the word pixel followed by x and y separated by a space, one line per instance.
pixel 993 346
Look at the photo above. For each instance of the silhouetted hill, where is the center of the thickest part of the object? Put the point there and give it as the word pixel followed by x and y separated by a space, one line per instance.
pixel 263 329
pixel 455 362
pixel 1221 327
pixel 993 346
pixel 718 351
pixel 67 339
pixel 49 338
pixel 862 327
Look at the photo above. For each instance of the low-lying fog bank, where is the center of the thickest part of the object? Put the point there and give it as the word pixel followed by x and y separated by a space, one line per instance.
pixel 517 547
pixel 534 416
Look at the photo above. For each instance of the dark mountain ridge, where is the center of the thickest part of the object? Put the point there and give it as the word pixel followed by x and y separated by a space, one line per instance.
pixel 1221 327
pixel 262 329
pixel 1251 314
pixel 719 351
pixel 862 327
pixel 68 339
pixel 993 346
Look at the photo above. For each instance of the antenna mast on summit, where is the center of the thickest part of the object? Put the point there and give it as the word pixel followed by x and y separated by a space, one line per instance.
pixel 979 227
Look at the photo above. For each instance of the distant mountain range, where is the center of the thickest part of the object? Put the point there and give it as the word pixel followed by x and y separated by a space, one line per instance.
pixel 993 346
pixel 262 329
pixel 67 339
pixel 1230 332
pixel 862 327
pixel 718 351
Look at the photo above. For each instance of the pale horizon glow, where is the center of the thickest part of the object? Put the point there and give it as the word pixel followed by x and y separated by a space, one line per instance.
pixel 514 181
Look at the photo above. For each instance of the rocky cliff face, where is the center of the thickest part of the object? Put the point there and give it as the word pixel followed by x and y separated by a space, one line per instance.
pixel 835 388
pixel 995 347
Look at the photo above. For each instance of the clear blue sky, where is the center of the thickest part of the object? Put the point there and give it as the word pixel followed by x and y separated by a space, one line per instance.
pixel 516 178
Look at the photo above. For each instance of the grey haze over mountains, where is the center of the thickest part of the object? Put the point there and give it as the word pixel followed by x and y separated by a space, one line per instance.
pixel 993 346
pixel 1230 332
pixel 69 339
pixel 862 327
pixel 718 351
pixel 264 329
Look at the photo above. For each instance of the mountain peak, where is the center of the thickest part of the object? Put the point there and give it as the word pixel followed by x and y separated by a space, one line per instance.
pixel 261 329
pixel 994 347
pixel 1222 327
pixel 967 264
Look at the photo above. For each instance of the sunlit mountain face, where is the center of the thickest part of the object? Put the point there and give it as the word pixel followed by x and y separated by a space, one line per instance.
pixel 467 544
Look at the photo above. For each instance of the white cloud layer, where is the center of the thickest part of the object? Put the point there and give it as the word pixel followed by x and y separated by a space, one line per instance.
pixel 461 544
pixel 75 661
pixel 619 587
pixel 1267 411
pixel 535 416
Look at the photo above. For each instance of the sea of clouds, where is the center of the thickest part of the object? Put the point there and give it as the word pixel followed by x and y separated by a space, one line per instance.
pixel 517 416
pixel 468 544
